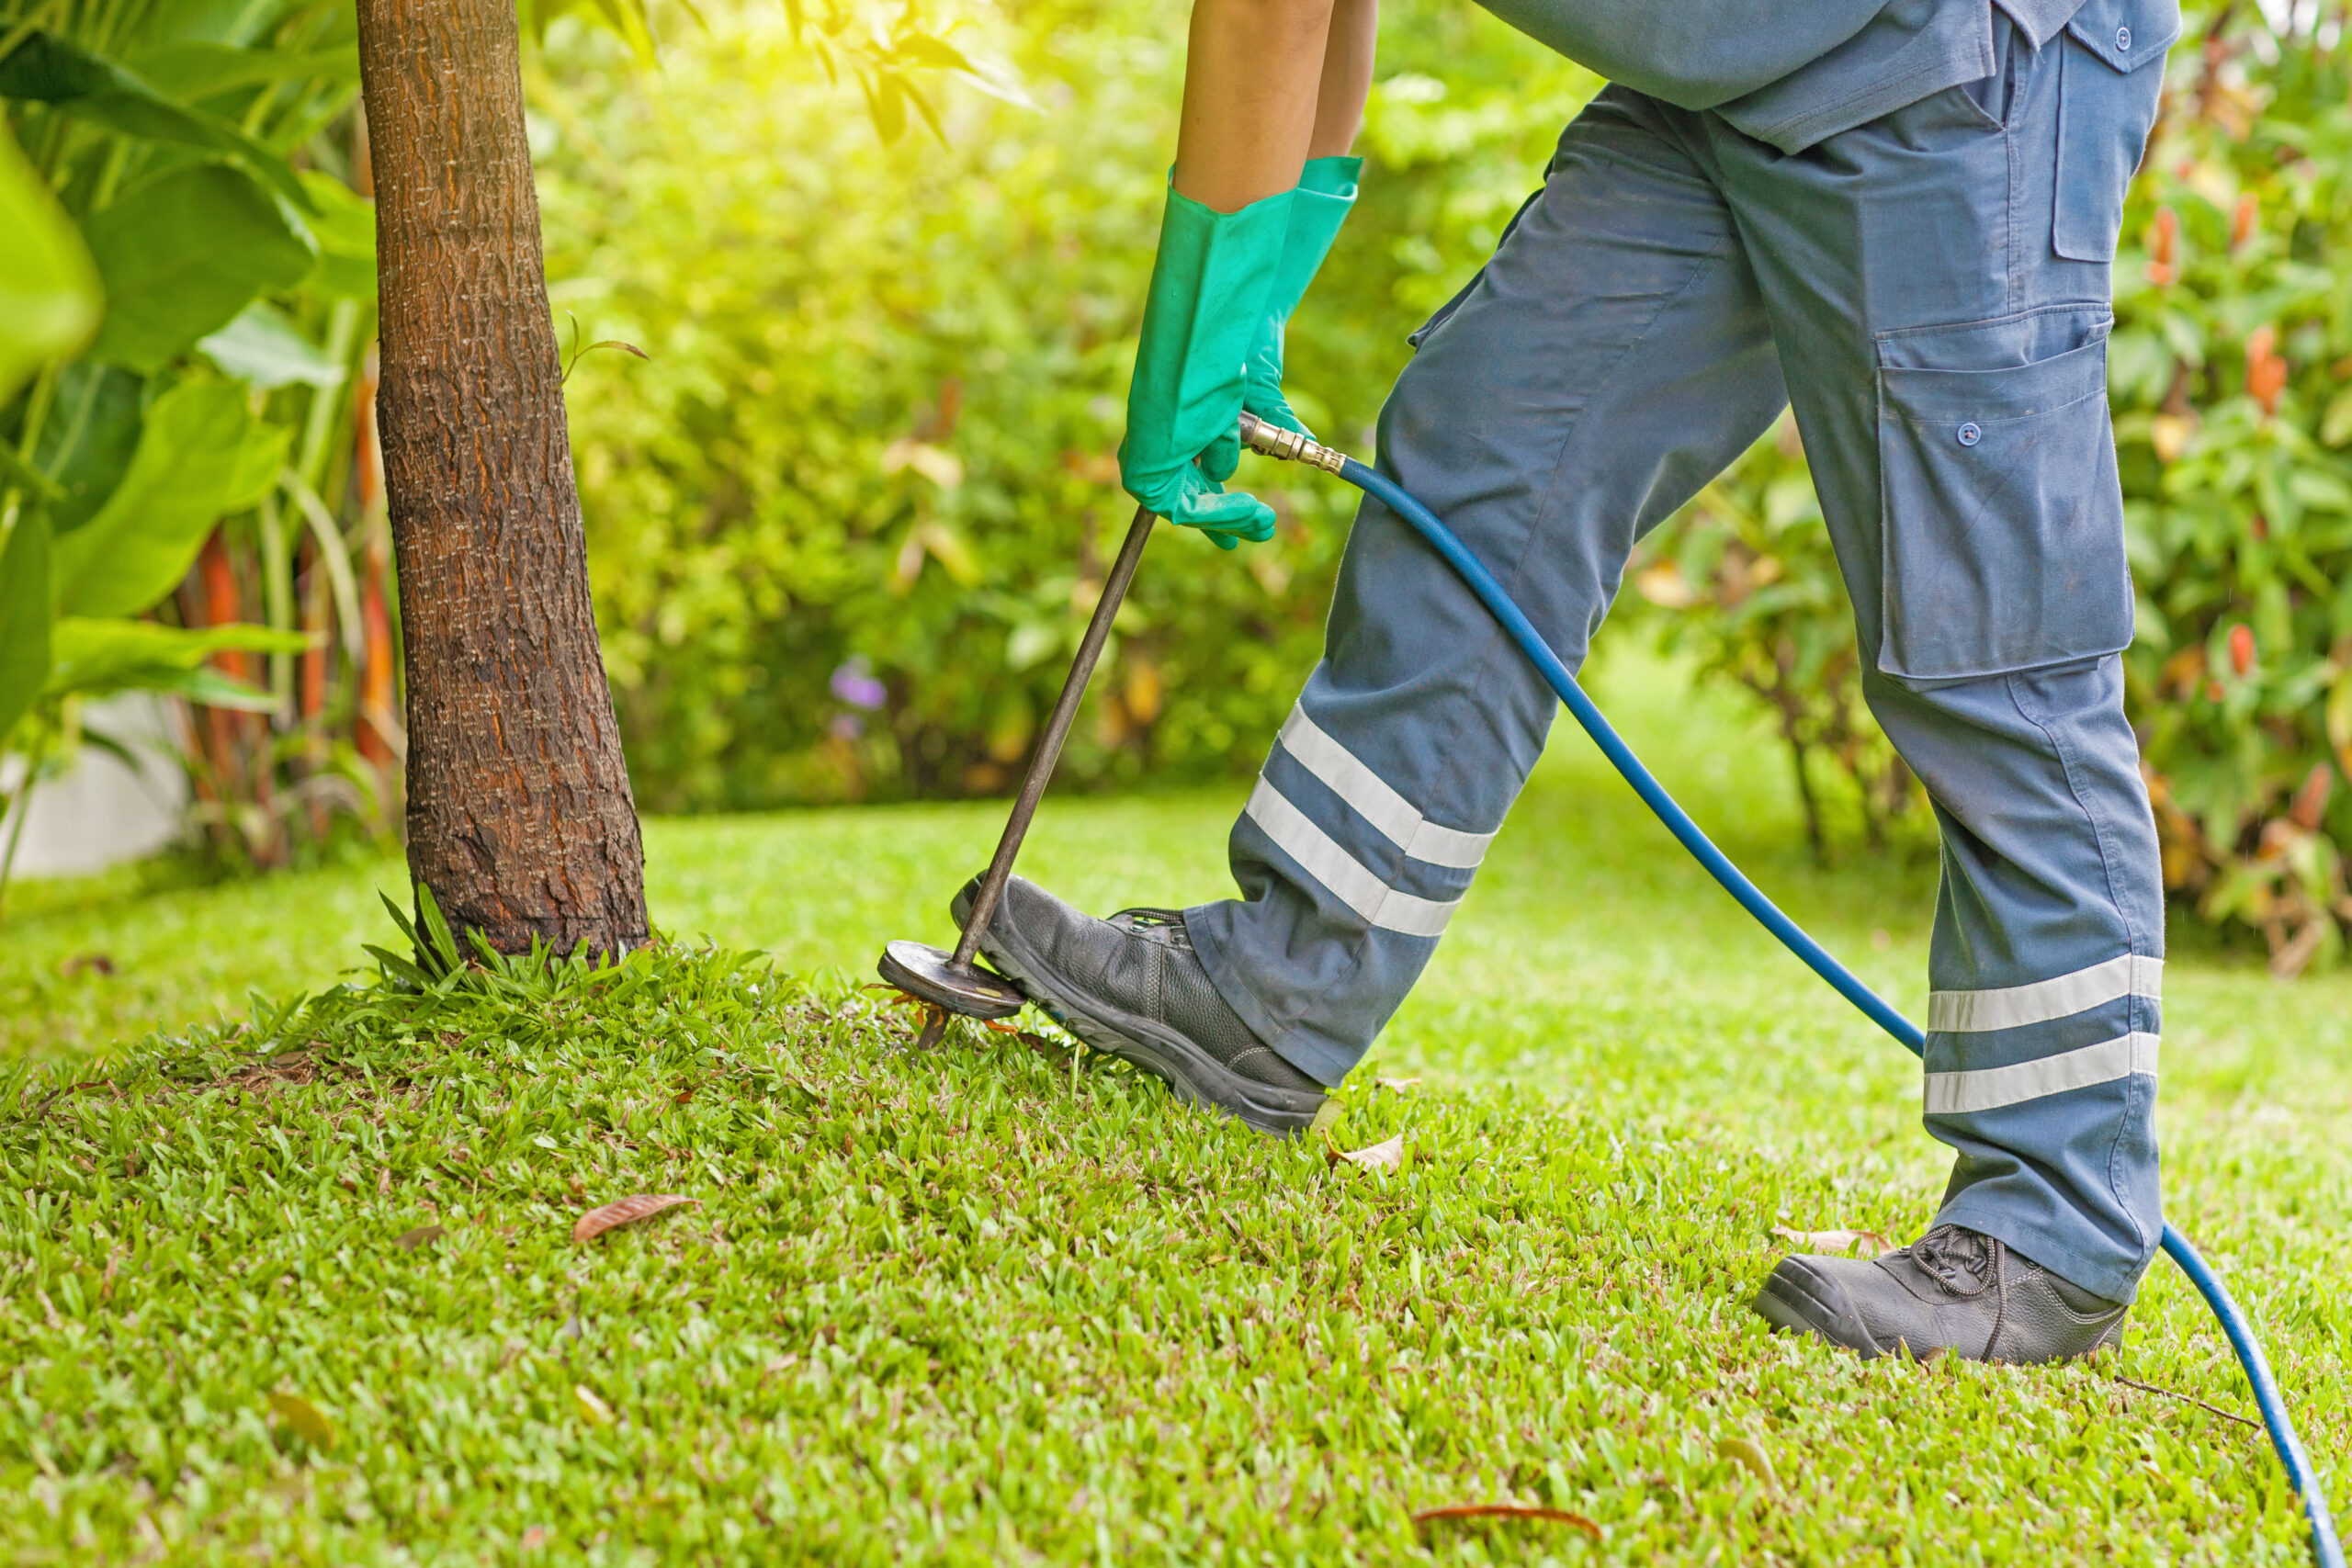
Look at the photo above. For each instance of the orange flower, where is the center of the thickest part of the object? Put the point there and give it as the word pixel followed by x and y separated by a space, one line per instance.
pixel 2241 649
pixel 2265 369
pixel 2242 220
pixel 2163 238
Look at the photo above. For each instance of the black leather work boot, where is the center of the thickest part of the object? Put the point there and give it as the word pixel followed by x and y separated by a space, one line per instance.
pixel 1954 1289
pixel 1131 985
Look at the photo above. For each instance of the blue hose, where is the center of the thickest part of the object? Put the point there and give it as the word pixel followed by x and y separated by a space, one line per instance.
pixel 2324 1546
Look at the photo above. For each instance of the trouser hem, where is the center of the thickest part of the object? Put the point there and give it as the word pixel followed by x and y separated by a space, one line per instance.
pixel 2096 1269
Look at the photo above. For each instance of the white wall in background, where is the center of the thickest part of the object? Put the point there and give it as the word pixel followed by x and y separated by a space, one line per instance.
pixel 99 812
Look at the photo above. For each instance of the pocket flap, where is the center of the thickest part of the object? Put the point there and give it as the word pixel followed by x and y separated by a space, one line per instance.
pixel 1989 399
pixel 2127 34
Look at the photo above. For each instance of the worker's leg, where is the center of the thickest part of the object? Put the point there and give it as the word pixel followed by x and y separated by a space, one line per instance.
pixel 1610 358
pixel 1947 365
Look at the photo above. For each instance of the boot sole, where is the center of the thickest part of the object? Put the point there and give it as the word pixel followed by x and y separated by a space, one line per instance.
pixel 1197 1077
pixel 1801 1300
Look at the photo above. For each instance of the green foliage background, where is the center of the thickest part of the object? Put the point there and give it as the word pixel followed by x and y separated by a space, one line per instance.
pixel 179 153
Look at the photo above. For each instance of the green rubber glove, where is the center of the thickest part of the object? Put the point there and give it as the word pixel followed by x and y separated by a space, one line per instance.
pixel 1209 284
pixel 1327 190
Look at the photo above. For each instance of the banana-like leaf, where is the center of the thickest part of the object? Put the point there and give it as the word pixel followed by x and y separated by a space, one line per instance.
pixel 48 292
pixel 187 71
pixel 264 348
pixel 24 619
pixel 95 657
pixel 47 69
pixel 182 254
pixel 86 440
pixel 201 456
pixel 345 226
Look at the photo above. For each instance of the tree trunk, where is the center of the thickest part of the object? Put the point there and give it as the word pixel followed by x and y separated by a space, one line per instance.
pixel 519 815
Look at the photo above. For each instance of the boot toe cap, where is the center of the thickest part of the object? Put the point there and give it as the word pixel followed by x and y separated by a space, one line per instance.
pixel 1808 1296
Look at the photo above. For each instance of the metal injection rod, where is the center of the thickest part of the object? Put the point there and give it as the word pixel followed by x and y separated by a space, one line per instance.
pixel 1049 745
pixel 950 982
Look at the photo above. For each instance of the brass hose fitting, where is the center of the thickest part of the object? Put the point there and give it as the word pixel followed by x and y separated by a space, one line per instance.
pixel 1288 445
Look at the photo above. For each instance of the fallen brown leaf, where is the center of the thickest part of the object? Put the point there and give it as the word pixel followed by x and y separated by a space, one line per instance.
pixel 1038 1043
pixel 1396 1085
pixel 1833 1241
pixel 409 1241
pixel 303 1416
pixel 534 1538
pixel 88 963
pixel 622 1211
pixel 1388 1156
pixel 1506 1511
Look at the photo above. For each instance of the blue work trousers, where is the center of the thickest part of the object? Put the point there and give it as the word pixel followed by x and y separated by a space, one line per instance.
pixel 1931 292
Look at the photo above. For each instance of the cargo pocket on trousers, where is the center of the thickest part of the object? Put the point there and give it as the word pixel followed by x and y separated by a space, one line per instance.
pixel 2002 517
pixel 2107 106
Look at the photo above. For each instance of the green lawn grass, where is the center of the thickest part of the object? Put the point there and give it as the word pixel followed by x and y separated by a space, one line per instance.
pixel 1005 1303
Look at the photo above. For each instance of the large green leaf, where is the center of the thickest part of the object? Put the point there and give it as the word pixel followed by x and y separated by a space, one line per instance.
pixel 86 442
pixel 24 619
pixel 344 222
pixel 45 68
pixel 181 255
pixel 190 70
pixel 264 348
pixel 95 657
pixel 200 457
pixel 48 294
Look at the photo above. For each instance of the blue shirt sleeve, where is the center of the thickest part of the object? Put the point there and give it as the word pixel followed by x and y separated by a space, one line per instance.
pixel 1693 54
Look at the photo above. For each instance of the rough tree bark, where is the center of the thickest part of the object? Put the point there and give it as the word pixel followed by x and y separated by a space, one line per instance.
pixel 519 815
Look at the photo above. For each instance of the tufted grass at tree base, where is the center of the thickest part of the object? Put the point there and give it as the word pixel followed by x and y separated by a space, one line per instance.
pixel 1002 1301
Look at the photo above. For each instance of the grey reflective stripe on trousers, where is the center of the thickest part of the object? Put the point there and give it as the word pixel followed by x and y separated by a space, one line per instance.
pixel 1908 285
pixel 1366 802
pixel 2130 977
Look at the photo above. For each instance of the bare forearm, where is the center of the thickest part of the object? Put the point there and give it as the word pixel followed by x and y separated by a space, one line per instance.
pixel 1269 84
pixel 1347 77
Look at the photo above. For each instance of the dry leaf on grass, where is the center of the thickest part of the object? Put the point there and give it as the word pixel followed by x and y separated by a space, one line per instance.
pixel 621 1212
pixel 1389 1156
pixel 303 1416
pixel 534 1538
pixel 1506 1511
pixel 409 1241
pixel 591 1409
pixel 1833 1241
pixel 1038 1043
pixel 1396 1085
pixel 1749 1452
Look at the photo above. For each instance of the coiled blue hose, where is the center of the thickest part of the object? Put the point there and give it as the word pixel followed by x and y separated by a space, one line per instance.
pixel 2325 1545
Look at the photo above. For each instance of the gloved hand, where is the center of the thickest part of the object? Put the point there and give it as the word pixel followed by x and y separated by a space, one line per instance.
pixel 1327 190
pixel 1209 286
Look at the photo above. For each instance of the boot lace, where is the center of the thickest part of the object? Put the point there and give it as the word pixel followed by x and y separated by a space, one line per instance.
pixel 1966 1262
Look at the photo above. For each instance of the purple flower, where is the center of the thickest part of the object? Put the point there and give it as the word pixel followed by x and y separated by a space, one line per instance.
pixel 854 683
